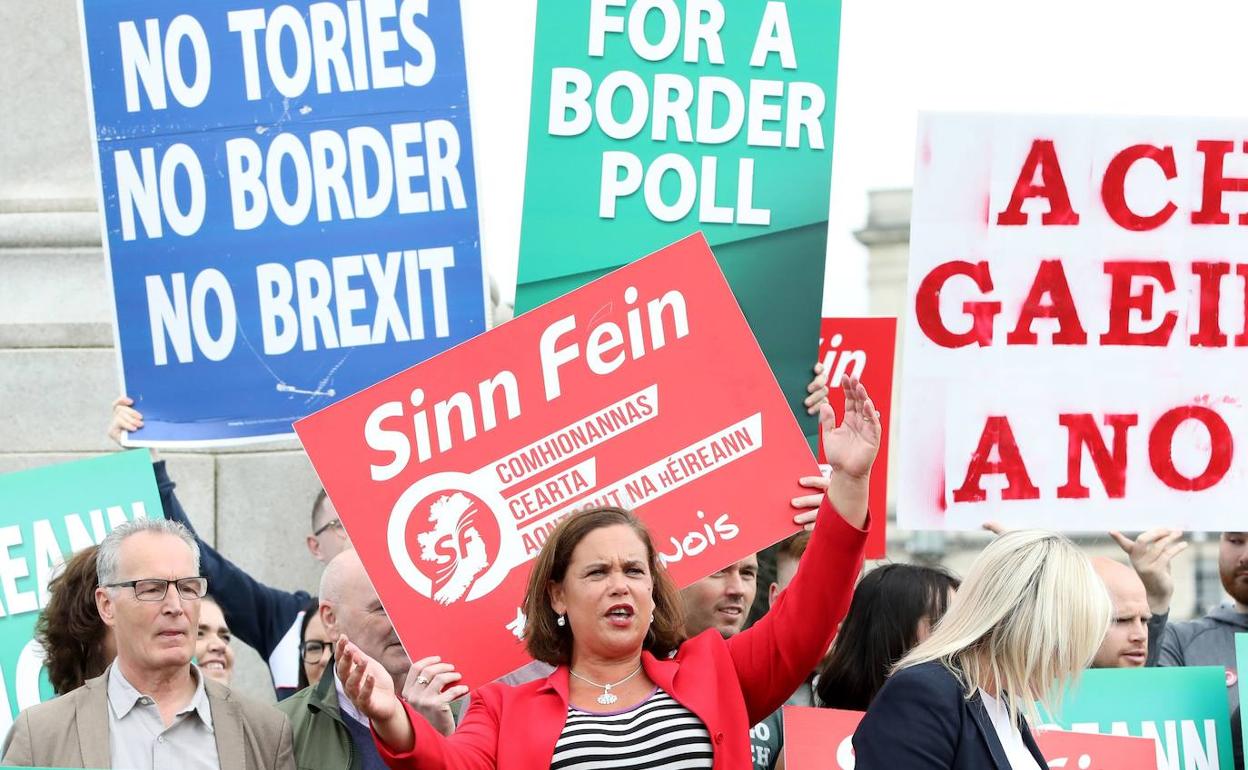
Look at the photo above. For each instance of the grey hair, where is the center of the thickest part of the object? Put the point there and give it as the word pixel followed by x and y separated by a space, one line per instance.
pixel 107 561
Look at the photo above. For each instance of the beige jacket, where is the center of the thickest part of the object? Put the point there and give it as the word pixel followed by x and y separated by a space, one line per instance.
pixel 72 731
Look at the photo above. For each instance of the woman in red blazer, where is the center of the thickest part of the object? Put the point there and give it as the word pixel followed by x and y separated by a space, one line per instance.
pixel 628 691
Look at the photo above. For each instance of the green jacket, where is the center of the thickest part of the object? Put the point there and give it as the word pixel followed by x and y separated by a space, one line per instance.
pixel 321 738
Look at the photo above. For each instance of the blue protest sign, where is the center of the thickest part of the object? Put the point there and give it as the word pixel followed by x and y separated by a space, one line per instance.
pixel 289 202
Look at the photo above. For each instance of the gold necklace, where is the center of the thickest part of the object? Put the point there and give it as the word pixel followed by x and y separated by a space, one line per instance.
pixel 606 698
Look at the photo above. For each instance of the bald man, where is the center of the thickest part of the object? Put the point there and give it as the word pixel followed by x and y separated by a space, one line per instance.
pixel 328 729
pixel 1133 640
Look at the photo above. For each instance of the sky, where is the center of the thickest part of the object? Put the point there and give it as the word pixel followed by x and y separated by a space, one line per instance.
pixel 897 58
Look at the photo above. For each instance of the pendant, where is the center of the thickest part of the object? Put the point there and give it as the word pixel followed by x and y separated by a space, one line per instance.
pixel 607 698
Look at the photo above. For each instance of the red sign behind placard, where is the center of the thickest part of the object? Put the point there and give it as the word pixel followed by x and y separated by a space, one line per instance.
pixel 811 735
pixel 1089 751
pixel 864 348
pixel 450 475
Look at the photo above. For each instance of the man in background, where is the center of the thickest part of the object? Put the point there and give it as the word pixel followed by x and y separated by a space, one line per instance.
pixel 263 617
pixel 329 732
pixel 153 707
pixel 1141 596
pixel 1210 641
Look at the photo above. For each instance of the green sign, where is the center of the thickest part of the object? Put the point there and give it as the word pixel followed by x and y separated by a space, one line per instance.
pixel 653 119
pixel 46 514
pixel 1184 709
pixel 1241 664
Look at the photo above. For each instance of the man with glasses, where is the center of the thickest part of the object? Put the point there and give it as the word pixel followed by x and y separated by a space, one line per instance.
pixel 153 707
pixel 329 732
pixel 261 616
pixel 328 538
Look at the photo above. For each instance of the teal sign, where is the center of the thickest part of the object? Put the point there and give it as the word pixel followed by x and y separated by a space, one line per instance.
pixel 1184 709
pixel 1241 664
pixel 46 514
pixel 652 120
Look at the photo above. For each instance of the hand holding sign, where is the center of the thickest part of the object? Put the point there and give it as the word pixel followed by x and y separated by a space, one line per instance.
pixel 809 504
pixel 818 390
pixel 126 419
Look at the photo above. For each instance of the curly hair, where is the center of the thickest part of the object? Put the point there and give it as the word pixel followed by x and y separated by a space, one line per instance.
pixel 70 629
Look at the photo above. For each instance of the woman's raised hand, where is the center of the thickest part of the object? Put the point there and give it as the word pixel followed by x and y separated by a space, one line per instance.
pixel 851 447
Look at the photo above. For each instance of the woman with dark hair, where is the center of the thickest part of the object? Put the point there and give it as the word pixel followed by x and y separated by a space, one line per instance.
pixel 894 608
pixel 628 687
pixel 315 650
pixel 77 645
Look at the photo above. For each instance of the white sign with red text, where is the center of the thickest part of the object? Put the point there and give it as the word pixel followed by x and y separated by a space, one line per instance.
pixel 1076 355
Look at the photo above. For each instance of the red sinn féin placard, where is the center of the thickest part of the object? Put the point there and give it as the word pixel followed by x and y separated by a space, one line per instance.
pixel 864 348
pixel 644 389
pixel 811 735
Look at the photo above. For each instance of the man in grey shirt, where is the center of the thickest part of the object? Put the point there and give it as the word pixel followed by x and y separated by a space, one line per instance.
pixel 1210 641
pixel 152 708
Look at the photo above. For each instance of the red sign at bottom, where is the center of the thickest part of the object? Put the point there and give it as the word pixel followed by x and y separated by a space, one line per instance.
pixel 811 735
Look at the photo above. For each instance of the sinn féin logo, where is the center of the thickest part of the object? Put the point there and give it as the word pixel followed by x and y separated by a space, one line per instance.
pixel 447 541
pixel 454 545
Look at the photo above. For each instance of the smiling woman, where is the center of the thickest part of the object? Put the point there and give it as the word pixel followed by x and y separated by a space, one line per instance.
pixel 212 644
pixel 628 686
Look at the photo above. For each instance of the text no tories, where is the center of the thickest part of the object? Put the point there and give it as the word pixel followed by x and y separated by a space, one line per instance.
pixel 337 48
pixel 774 113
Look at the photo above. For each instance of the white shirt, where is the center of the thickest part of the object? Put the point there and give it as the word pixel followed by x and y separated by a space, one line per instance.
pixel 138 738
pixel 346 706
pixel 1011 737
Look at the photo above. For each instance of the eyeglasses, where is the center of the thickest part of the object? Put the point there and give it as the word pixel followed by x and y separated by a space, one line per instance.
pixel 313 651
pixel 331 524
pixel 154 589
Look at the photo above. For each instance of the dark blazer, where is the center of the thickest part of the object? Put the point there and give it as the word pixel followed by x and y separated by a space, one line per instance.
pixel 922 720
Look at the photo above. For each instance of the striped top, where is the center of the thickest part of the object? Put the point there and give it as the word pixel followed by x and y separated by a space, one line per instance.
pixel 656 733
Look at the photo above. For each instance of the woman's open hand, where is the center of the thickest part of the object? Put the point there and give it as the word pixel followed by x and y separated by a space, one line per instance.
pixel 851 447
pixel 369 686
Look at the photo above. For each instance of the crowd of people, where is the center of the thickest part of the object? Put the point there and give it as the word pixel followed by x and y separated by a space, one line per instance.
pixel 627 671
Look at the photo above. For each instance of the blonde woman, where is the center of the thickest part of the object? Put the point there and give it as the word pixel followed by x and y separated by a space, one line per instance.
pixel 1027 620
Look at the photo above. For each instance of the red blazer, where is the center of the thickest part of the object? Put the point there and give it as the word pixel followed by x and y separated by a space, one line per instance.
pixel 729 684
